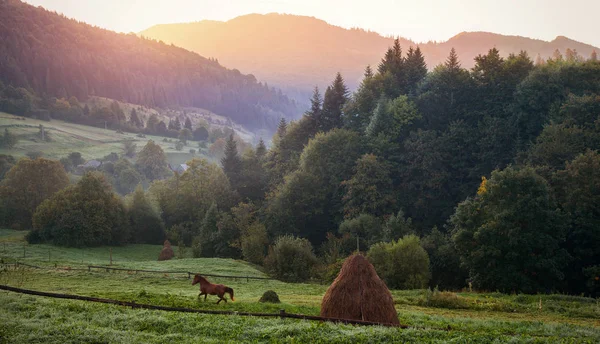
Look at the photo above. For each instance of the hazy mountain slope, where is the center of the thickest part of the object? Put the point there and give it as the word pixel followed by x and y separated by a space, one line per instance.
pixel 62 57
pixel 297 52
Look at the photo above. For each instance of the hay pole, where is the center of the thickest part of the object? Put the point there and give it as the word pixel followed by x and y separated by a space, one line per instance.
pixel 133 305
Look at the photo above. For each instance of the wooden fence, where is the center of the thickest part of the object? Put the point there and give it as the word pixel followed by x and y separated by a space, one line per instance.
pixel 282 313
pixel 109 268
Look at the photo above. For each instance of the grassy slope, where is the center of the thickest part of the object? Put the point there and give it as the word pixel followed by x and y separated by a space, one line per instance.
pixel 485 318
pixel 91 142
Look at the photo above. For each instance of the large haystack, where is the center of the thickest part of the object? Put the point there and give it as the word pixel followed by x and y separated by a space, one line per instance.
pixel 359 294
pixel 167 252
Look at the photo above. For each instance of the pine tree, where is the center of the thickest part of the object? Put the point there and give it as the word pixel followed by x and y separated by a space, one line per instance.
pixel 188 123
pixel 135 120
pixel 261 149
pixel 231 162
pixel 539 61
pixel 177 124
pixel 314 114
pixel 336 96
pixel 281 128
pixel 86 110
pixel 594 56
pixel 416 69
pixel 368 72
pixel 8 140
pixel 452 62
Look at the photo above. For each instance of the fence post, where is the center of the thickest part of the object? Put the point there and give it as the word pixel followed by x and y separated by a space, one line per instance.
pixel 48 255
pixel 24 253
pixel 89 268
pixel 282 313
pixel 111 256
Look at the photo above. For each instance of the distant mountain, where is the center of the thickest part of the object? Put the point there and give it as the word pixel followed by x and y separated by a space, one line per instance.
pixel 57 56
pixel 297 52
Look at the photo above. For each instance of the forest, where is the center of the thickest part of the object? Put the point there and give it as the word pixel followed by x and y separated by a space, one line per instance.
pixel 53 56
pixel 488 177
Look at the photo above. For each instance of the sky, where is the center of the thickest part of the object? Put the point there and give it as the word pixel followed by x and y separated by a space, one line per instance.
pixel 420 21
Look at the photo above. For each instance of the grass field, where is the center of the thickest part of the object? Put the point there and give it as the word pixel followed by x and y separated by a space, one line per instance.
pixel 91 142
pixel 471 317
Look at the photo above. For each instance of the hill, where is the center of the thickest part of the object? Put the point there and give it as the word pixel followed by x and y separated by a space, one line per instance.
pixel 61 57
pixel 91 142
pixel 297 52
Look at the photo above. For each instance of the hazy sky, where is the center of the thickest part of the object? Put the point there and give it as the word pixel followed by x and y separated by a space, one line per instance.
pixel 417 20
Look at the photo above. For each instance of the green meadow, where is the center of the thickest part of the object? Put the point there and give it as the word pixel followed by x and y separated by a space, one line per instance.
pixel 91 142
pixel 463 317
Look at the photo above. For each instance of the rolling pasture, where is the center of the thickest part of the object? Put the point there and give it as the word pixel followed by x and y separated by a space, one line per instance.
pixel 464 317
pixel 91 142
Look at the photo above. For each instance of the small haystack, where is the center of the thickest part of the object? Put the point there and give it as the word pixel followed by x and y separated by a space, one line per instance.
pixel 359 294
pixel 269 297
pixel 167 252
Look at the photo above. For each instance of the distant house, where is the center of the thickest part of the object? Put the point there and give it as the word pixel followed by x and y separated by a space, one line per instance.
pixel 179 168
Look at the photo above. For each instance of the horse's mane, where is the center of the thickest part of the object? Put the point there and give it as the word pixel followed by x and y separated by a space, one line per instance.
pixel 201 278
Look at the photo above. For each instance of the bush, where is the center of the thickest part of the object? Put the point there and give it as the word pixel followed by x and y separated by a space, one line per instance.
pixel 269 297
pixel 82 215
pixel 192 151
pixel 403 264
pixel 179 145
pixel 291 259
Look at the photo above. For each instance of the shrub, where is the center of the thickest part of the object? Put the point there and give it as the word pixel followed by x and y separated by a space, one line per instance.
pixel 85 214
pixel 291 259
pixel 192 151
pixel 179 145
pixel 403 264
pixel 269 297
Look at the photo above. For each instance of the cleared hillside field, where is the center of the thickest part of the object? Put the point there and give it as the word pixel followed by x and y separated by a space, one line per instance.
pixel 463 318
pixel 91 142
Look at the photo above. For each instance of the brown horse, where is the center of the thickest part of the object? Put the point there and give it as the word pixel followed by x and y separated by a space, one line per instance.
pixel 207 288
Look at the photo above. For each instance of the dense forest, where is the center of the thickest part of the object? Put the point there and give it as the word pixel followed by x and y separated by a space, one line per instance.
pixel 52 55
pixel 488 177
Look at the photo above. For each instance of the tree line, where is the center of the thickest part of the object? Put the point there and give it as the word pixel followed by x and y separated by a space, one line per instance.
pixel 486 176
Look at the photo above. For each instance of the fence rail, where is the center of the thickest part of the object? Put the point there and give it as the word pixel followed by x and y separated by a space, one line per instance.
pixel 108 268
pixel 282 313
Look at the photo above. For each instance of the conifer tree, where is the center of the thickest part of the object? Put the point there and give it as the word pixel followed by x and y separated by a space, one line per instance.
pixel 281 128
pixel 135 120
pixel 231 162
pixel 452 62
pixel 594 56
pixel 177 124
pixel 261 149
pixel 416 69
pixel 336 96
pixel 188 124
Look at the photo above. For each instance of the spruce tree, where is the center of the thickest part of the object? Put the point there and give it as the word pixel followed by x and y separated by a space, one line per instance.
pixel 261 149
pixel 452 62
pixel 177 124
pixel 336 96
pixel 231 162
pixel 188 124
pixel 416 69
pixel 281 128
pixel 594 56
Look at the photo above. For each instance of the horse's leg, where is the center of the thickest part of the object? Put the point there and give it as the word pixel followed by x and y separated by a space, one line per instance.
pixel 219 300
pixel 199 295
pixel 205 295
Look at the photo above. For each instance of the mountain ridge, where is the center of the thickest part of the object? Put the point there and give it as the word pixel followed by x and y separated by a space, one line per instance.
pixel 304 51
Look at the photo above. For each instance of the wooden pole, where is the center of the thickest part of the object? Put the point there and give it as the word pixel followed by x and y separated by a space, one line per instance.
pixel 111 256
pixel 24 253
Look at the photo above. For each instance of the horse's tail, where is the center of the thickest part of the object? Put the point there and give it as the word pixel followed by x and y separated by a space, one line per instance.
pixel 230 291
